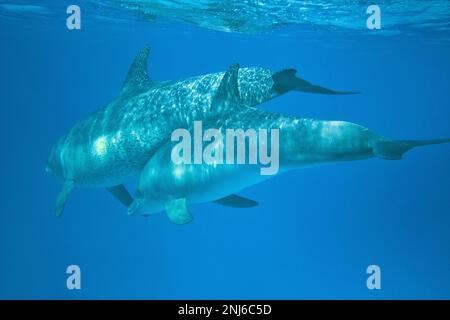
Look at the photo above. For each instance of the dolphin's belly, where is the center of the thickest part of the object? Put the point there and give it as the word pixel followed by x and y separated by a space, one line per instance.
pixel 195 182
pixel 225 183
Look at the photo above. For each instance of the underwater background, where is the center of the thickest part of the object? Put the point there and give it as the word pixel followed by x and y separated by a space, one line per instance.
pixel 315 231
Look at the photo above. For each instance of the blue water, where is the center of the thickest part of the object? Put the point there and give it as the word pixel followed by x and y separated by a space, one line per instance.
pixel 315 231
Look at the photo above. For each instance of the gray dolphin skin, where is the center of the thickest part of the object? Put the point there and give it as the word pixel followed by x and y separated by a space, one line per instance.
pixel 116 142
pixel 164 185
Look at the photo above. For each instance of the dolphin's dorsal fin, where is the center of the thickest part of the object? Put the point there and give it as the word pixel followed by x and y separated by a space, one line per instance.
pixel 177 211
pixel 227 95
pixel 137 79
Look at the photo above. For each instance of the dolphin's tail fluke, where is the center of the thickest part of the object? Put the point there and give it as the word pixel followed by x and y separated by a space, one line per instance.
pixel 394 150
pixel 286 80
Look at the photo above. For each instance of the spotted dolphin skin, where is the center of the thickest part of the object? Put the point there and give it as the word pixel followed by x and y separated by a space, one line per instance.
pixel 164 185
pixel 115 142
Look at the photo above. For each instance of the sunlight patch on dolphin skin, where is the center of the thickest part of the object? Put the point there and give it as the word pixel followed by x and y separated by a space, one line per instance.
pixel 178 172
pixel 117 137
pixel 136 136
pixel 101 145
pixel 331 129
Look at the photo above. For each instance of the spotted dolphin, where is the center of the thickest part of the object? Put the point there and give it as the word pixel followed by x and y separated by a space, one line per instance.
pixel 166 185
pixel 115 142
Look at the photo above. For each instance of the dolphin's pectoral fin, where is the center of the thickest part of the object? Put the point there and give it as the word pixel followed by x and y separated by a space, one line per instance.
pixel 137 78
pixel 62 196
pixel 134 207
pixel 227 95
pixel 236 201
pixel 140 206
pixel 177 211
pixel 121 193
pixel 286 80
pixel 394 150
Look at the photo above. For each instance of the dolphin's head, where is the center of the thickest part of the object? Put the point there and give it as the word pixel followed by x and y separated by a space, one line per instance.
pixel 54 162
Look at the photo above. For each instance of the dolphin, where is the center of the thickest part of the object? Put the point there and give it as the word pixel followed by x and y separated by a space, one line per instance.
pixel 115 142
pixel 165 185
